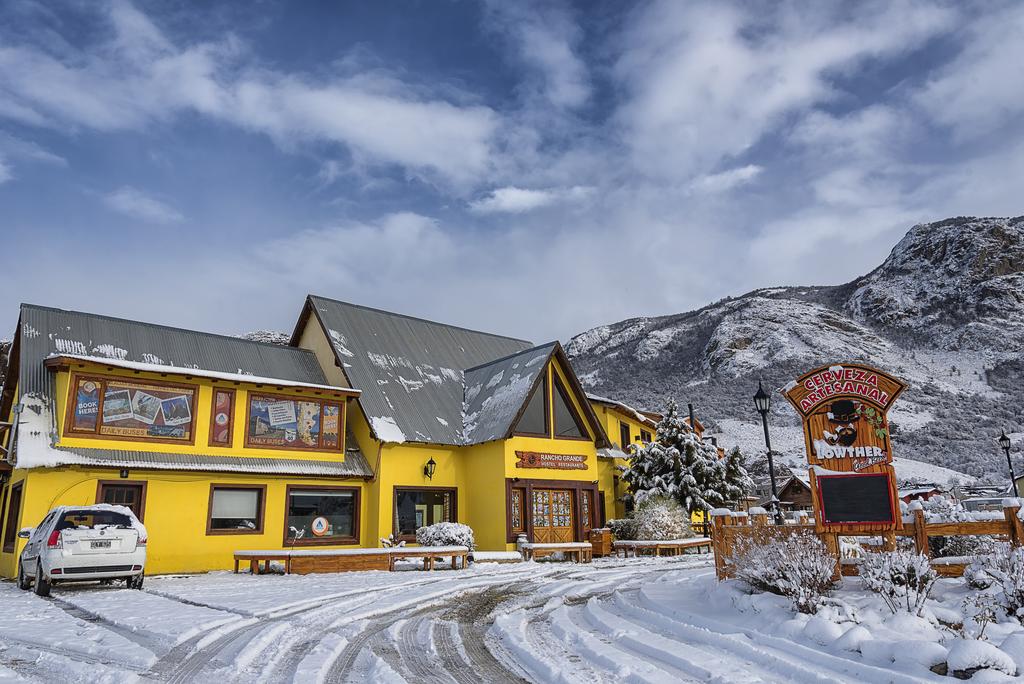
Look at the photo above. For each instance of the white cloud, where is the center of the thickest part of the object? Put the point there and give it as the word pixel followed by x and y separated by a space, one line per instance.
pixel 725 180
pixel 138 205
pixel 545 38
pixel 548 195
pixel 983 87
pixel 138 76
pixel 5 172
pixel 707 80
pixel 512 200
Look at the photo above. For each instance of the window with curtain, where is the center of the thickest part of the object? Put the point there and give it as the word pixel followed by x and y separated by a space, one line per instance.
pixel 236 509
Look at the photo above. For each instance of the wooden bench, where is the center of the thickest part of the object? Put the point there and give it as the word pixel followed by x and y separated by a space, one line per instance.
pixel 668 547
pixel 256 557
pixel 580 552
pixel 430 554
pixel 305 561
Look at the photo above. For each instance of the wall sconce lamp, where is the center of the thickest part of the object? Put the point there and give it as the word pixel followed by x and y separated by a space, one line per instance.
pixel 123 473
pixel 428 469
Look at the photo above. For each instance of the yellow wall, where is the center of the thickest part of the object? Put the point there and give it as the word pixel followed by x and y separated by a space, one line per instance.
pixel 611 417
pixel 176 509
pixel 177 502
pixel 478 473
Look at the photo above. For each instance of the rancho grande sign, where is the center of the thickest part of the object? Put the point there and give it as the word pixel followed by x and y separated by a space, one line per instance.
pixel 846 431
pixel 533 459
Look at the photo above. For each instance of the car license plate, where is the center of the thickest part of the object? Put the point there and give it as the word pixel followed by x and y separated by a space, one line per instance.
pixel 101 544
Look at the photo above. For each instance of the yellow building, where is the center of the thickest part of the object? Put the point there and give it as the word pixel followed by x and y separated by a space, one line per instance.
pixel 625 426
pixel 369 424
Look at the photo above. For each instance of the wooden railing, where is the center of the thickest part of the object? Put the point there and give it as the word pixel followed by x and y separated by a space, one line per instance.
pixel 731 528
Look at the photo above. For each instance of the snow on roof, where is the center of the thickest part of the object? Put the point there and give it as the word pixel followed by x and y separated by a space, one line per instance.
pixel 387 429
pixel 198 372
pixel 409 369
pixel 625 408
pixel 495 392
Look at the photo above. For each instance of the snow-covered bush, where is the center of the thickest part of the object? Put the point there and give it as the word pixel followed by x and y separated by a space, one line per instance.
pixel 623 528
pixel 445 534
pixel 959 545
pixel 940 509
pixel 902 578
pixel 661 519
pixel 981 608
pixel 1002 567
pixel 798 566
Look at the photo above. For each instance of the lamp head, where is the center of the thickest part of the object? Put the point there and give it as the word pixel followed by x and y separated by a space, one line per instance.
pixel 762 400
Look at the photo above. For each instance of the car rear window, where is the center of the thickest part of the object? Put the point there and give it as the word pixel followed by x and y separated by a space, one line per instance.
pixel 93 520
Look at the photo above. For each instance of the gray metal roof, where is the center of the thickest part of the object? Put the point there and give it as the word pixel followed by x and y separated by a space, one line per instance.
pixel 45 331
pixel 409 370
pixel 496 391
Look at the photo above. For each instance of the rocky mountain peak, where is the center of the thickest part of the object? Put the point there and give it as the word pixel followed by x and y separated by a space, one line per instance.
pixel 955 284
pixel 944 311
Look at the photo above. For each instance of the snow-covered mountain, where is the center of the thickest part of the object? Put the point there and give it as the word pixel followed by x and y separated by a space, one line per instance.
pixel 945 311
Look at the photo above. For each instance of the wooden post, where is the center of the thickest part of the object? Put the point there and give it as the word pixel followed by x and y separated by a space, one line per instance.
pixel 889 541
pixel 718 523
pixel 1014 524
pixel 831 540
pixel 760 519
pixel 921 533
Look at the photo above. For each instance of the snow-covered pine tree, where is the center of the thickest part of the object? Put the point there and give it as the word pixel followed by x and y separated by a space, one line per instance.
pixel 676 465
pixel 653 468
pixel 738 483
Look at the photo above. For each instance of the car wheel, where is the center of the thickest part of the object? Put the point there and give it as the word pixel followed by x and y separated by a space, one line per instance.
pixel 136 582
pixel 24 583
pixel 42 584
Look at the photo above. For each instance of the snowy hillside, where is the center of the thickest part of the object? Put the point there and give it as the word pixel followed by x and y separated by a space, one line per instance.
pixel 945 311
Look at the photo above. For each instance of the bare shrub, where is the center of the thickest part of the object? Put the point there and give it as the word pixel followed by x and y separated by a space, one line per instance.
pixel 902 578
pixel 1003 567
pixel 796 565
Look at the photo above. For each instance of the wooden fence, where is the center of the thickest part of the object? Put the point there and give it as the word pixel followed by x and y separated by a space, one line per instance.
pixel 732 530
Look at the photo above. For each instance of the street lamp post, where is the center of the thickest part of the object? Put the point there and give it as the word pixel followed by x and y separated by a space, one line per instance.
pixel 1004 441
pixel 763 402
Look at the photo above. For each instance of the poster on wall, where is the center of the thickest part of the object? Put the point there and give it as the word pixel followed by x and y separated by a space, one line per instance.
pixel 87 406
pixel 137 410
pixel 290 423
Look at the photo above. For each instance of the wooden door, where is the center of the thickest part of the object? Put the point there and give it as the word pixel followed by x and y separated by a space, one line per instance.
pixel 553 516
pixel 587 512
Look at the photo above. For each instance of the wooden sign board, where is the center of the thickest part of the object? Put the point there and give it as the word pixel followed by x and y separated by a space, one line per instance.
pixel 846 433
pixel 533 459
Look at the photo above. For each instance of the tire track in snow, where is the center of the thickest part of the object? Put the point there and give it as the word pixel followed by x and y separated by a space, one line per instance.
pixel 779 658
pixel 151 642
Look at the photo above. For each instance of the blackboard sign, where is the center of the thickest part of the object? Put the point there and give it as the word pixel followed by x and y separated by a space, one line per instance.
pixel 851 499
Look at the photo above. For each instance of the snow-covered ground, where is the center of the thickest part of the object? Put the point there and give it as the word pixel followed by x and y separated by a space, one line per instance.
pixel 615 620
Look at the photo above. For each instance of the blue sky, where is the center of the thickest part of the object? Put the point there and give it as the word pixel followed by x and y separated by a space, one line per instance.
pixel 530 169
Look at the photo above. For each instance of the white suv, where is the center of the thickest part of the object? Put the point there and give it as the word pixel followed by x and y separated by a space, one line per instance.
pixel 76 543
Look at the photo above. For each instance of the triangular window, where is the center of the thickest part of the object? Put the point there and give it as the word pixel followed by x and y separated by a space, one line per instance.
pixel 567 421
pixel 534 420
